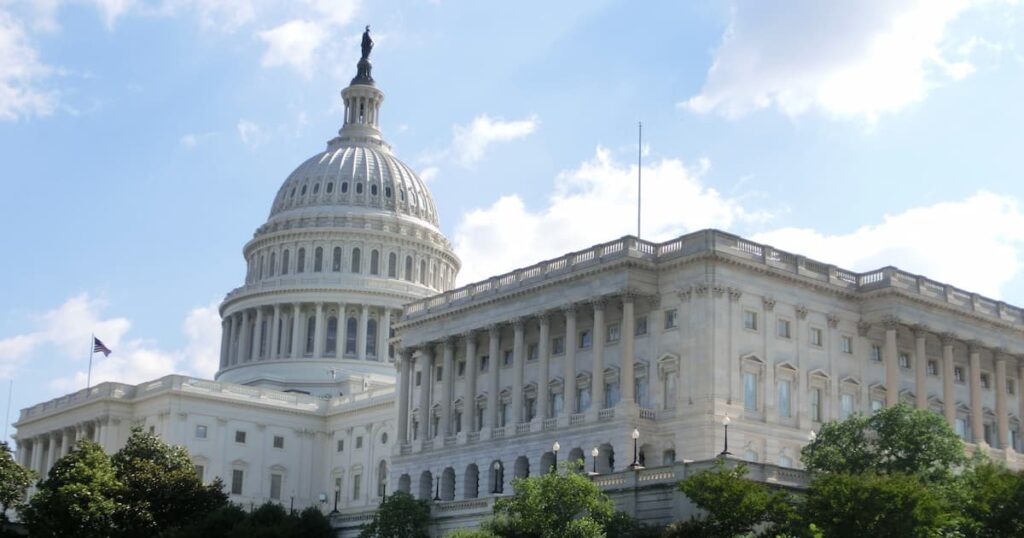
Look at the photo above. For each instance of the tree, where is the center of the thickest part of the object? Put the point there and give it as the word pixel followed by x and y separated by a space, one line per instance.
pixel 14 481
pixel 990 499
pixel 897 439
pixel 161 488
pixel 80 497
pixel 399 516
pixel 734 505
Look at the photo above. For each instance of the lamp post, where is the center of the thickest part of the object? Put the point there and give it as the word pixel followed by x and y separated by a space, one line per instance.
pixel 437 490
pixel 725 450
pixel 593 454
pixel 337 495
pixel 813 436
pixel 555 448
pixel 636 461
pixel 496 468
pixel 323 502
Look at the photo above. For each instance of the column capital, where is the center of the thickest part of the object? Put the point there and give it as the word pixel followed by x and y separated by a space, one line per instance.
pixel 493 330
pixel 519 323
pixel 974 346
pixel 833 320
pixel 569 309
pixel 319 304
pixel 629 295
pixel 948 339
pixel 470 335
pixel 920 330
pixel 862 328
pixel 450 341
pixel 544 318
pixel 599 303
pixel 735 294
pixel 801 311
pixel 768 302
pixel 891 322
pixel 999 354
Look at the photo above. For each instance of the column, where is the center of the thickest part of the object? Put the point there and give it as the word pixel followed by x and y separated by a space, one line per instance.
pixel 294 339
pixel 257 340
pixel 243 345
pixel 37 456
pixel 597 348
pixel 66 442
pixel 364 318
pixel 235 339
pixel 469 385
pixel 493 346
pixel 890 354
pixel 426 359
pixel 54 453
pixel 275 333
pixel 544 377
pixel 948 396
pixel 627 334
pixel 225 339
pixel 384 334
pixel 518 336
pixel 977 419
pixel 920 366
pixel 403 364
pixel 318 332
pixel 342 330
pixel 1002 418
pixel 569 368
pixel 447 385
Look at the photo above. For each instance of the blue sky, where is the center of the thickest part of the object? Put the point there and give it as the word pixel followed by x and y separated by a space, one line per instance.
pixel 143 141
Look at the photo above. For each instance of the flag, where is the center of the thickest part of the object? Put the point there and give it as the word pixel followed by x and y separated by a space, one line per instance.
pixel 99 347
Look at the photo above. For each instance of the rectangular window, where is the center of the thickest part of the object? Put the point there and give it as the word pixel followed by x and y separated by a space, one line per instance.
pixel 784 409
pixel 461 369
pixel 240 436
pixel 357 485
pixel 200 472
pixel 584 340
pixel 359 442
pixel 958 374
pixel 613 333
pixel 558 345
pixel 1011 387
pixel 641 326
pixel 815 336
pixel 439 371
pixel 341 444
pixel 506 358
pixel 503 413
pixel 985 381
pixel 904 360
pixel 933 368
pixel 876 405
pixel 750 320
pixel 530 408
pixel 582 399
pixel 611 394
pixel 750 391
pixel 200 431
pixel 960 426
pixel 532 352
pixel 275 487
pixel 816 405
pixel 783 328
pixel 876 352
pixel 485 363
pixel 237 475
pixel 557 404
pixel 845 406
pixel 480 412
pixel 670 390
pixel 846 344
pixel 671 318
pixel 419 377
pixel 988 433
pixel 278 441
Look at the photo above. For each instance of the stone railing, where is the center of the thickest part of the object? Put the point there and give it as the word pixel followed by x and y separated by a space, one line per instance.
pixel 605 415
pixel 110 390
pixel 717 243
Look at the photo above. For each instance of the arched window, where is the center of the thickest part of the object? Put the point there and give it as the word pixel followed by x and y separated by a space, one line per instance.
pixel 374 262
pixel 359 188
pixel 284 262
pixel 448 484
pixel 408 268
pixel 336 262
pixel 344 187
pixel 356 262
pixel 318 259
pixel 331 346
pixel 316 188
pixel 371 337
pixel 273 261
pixel 387 192
pixel 310 334
pixel 351 328
pixel 392 263
pixel 471 482
pixel 301 265
pixel 423 272
pixel 373 190
pixel 382 478
pixel 330 188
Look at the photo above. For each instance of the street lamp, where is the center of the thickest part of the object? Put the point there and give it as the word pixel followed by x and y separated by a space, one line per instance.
pixel 725 450
pixel 497 478
pixel 323 502
pixel 813 436
pixel 437 490
pixel 594 453
pixel 337 495
pixel 555 448
pixel 636 462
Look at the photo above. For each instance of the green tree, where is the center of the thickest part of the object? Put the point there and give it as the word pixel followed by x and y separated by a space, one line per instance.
pixel 161 489
pixel 399 516
pixel 14 481
pixel 470 533
pixel 897 439
pixel 990 500
pixel 734 505
pixel 79 497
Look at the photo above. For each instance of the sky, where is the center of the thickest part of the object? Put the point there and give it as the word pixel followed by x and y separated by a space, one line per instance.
pixel 142 142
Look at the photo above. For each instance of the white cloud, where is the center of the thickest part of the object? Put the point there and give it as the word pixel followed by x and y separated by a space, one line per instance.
pixel 470 142
pixel 252 135
pixel 202 332
pixel 113 9
pixel 596 202
pixel 293 44
pixel 976 244
pixel 429 173
pixel 847 59
pixel 22 74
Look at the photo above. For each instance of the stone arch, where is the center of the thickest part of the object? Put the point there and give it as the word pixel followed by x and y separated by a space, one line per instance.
pixel 426 485
pixel 646 454
pixel 547 462
pixel 404 483
pixel 447 488
pixel 605 459
pixel 576 455
pixel 522 467
pixel 471 482
pixel 496 470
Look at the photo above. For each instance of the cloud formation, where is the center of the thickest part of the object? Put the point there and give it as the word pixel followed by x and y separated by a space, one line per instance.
pixel 252 135
pixel 470 142
pixel 22 74
pixel 850 60
pixel 293 44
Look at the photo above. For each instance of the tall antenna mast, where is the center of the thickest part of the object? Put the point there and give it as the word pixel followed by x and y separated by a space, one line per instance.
pixel 639 167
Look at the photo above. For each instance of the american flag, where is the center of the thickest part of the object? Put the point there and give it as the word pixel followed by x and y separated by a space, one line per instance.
pixel 99 347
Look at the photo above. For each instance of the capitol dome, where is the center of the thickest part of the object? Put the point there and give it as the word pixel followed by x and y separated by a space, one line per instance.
pixel 352 236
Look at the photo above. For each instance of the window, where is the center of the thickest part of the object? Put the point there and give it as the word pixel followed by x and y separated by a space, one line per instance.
pixel 316 188
pixel 301 267
pixel 278 441
pixel 331 344
pixel 273 262
pixel 408 268
pixel 987 433
pixel 503 418
pixel 480 412
pixel 237 476
pixel 876 405
pixel 384 438
pixel 532 352
pixel 392 265
pixel 318 260
pixel 612 334
pixel 960 426
pixel 585 338
pixel 958 374
pixel 669 390
pixel 374 262
pixel 815 336
pixel 986 381
pixel 783 328
pixel 1011 387
pixel 557 404
pixel 351 330
pixel 530 408
pixel 846 344
pixel 671 318
pixel 484 362
pixel 457 421
pixel 439 371
pixel 784 406
pixel 423 272
pixel 785 461
pixel 816 405
pixel 200 472
pixel 933 368
pixel 344 187
pixel 357 479
pixel 341 445
pixel 336 260
pixel 641 326
pixel 200 431
pixel 275 486
pixel 284 262
pixel 371 337
pixel 460 368
pixel 310 334
pixel 876 352
pixel 750 320
pixel 330 188
pixel 750 391
pixel 558 345
pixel 640 391
pixel 356 254
pixel 240 436
pixel 359 187
pixel 611 394
pixel 845 406
pixel 904 360
pixel 359 442
pixel 582 399
pixel 418 378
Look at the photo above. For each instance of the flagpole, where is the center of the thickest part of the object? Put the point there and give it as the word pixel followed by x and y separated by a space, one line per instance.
pixel 92 349
pixel 7 415
pixel 639 164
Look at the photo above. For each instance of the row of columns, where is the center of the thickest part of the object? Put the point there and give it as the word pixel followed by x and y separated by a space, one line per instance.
pixel 425 357
pixel 890 354
pixel 242 333
pixel 40 452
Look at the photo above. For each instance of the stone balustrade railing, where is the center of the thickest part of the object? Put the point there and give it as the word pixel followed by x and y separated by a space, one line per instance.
pixel 718 243
pixel 304 281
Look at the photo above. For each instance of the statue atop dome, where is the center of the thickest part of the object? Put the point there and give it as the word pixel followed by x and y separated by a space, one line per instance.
pixel 364 66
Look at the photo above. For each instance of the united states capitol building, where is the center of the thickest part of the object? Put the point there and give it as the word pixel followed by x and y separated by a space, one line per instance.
pixel 351 366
